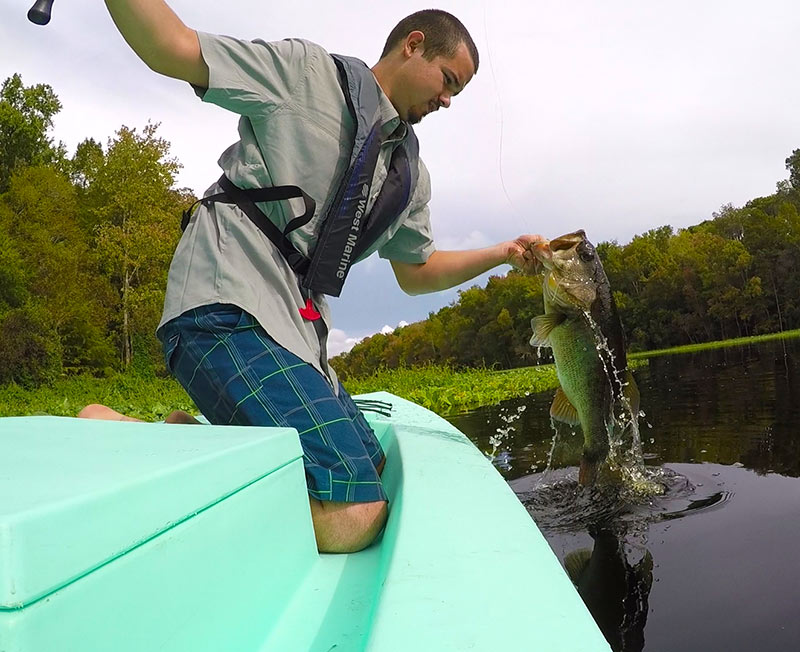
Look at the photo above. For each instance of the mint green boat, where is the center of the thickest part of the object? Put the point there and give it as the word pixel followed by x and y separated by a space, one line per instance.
pixel 141 537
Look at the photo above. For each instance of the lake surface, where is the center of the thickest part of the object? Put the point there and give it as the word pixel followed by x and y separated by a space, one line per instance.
pixel 713 563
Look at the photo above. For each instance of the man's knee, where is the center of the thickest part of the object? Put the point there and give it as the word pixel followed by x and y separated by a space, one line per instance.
pixel 347 527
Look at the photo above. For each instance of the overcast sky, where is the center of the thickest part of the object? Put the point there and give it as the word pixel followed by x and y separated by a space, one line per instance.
pixel 616 116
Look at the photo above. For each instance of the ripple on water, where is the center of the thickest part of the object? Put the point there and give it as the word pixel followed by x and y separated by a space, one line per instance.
pixel 559 504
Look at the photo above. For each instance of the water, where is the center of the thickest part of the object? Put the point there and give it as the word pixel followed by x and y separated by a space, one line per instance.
pixel 711 564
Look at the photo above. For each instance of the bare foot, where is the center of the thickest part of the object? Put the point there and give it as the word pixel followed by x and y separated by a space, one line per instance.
pixel 179 416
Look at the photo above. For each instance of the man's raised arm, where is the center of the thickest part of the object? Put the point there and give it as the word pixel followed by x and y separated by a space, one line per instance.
pixel 160 39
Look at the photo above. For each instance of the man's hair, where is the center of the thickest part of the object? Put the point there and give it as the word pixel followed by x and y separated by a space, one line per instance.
pixel 443 34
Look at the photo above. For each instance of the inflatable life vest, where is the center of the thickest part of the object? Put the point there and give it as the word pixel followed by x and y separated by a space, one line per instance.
pixel 347 231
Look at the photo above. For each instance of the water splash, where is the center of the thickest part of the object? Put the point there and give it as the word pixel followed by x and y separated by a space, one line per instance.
pixel 626 456
pixel 501 436
pixel 624 463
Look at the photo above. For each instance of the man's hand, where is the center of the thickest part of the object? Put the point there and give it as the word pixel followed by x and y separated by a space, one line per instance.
pixel 520 253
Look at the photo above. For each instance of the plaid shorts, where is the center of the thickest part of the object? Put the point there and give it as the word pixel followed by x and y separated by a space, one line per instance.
pixel 237 374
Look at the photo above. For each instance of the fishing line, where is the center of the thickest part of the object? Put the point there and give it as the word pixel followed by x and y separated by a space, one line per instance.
pixel 516 211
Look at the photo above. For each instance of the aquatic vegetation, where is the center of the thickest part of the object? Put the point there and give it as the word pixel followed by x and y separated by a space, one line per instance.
pixel 721 344
pixel 448 391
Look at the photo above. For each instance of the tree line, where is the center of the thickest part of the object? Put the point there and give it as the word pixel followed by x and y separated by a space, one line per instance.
pixel 736 274
pixel 86 240
pixel 85 243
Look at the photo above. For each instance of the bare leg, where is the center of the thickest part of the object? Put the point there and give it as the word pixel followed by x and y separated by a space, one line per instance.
pixel 346 527
pixel 97 411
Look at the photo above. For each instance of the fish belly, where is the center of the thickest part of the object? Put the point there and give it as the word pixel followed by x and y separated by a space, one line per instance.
pixel 583 379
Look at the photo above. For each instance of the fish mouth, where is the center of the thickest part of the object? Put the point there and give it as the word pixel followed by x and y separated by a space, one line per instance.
pixel 567 241
pixel 545 249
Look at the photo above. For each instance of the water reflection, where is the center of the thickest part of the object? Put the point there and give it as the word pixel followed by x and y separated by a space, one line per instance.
pixel 710 565
pixel 614 589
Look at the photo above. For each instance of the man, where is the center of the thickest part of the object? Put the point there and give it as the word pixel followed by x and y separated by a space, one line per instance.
pixel 245 319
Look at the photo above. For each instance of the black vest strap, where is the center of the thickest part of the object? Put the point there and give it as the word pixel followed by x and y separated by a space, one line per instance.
pixel 246 200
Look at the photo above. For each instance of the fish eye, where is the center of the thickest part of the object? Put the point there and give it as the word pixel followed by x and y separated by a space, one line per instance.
pixel 586 254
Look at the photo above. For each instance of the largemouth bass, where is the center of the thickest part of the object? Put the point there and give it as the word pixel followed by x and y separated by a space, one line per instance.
pixel 582 326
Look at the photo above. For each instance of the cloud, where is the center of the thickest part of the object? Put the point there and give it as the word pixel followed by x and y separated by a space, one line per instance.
pixel 340 342
pixel 389 329
pixel 473 240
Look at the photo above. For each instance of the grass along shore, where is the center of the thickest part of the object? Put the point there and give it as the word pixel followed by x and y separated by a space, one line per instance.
pixel 721 344
pixel 437 388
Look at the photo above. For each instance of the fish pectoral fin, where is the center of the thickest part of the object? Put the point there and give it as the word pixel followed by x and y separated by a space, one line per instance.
pixel 562 410
pixel 631 392
pixel 542 326
pixel 576 562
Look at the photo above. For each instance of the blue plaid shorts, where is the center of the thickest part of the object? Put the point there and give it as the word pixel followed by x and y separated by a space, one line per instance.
pixel 238 375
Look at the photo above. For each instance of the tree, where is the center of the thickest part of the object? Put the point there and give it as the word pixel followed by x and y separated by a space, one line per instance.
pixel 86 163
pixel 31 351
pixel 136 217
pixel 26 115
pixel 13 276
pixel 51 270
pixel 793 165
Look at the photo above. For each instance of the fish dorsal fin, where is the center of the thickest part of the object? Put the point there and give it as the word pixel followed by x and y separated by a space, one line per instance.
pixel 576 562
pixel 563 410
pixel 542 326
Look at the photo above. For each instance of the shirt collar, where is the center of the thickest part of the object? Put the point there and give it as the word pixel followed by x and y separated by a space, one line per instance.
pixel 392 126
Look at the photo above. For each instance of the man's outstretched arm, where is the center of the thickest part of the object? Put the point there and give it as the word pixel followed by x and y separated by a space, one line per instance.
pixel 160 39
pixel 446 269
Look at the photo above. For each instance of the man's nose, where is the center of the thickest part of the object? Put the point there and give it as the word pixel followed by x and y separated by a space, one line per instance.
pixel 444 100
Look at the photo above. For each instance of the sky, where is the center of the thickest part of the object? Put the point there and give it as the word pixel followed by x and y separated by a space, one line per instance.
pixel 615 117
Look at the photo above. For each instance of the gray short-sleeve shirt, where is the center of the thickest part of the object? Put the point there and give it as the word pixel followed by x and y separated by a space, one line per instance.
pixel 295 129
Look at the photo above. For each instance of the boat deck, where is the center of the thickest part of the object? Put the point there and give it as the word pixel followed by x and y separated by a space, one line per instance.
pixel 152 536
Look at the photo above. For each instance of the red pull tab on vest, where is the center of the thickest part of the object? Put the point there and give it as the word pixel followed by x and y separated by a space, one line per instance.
pixel 309 312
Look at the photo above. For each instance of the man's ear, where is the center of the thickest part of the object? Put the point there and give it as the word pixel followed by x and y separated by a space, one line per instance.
pixel 415 41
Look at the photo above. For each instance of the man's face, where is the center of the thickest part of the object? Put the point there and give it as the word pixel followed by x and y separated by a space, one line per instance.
pixel 429 85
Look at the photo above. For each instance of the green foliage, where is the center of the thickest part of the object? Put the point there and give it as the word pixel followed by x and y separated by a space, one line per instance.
pixel 487 327
pixel 13 277
pixel 708 346
pixel 30 351
pixel 793 165
pixel 86 164
pixel 26 115
pixel 89 238
pixel 47 256
pixel 135 213
pixel 447 391
pixel 141 396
